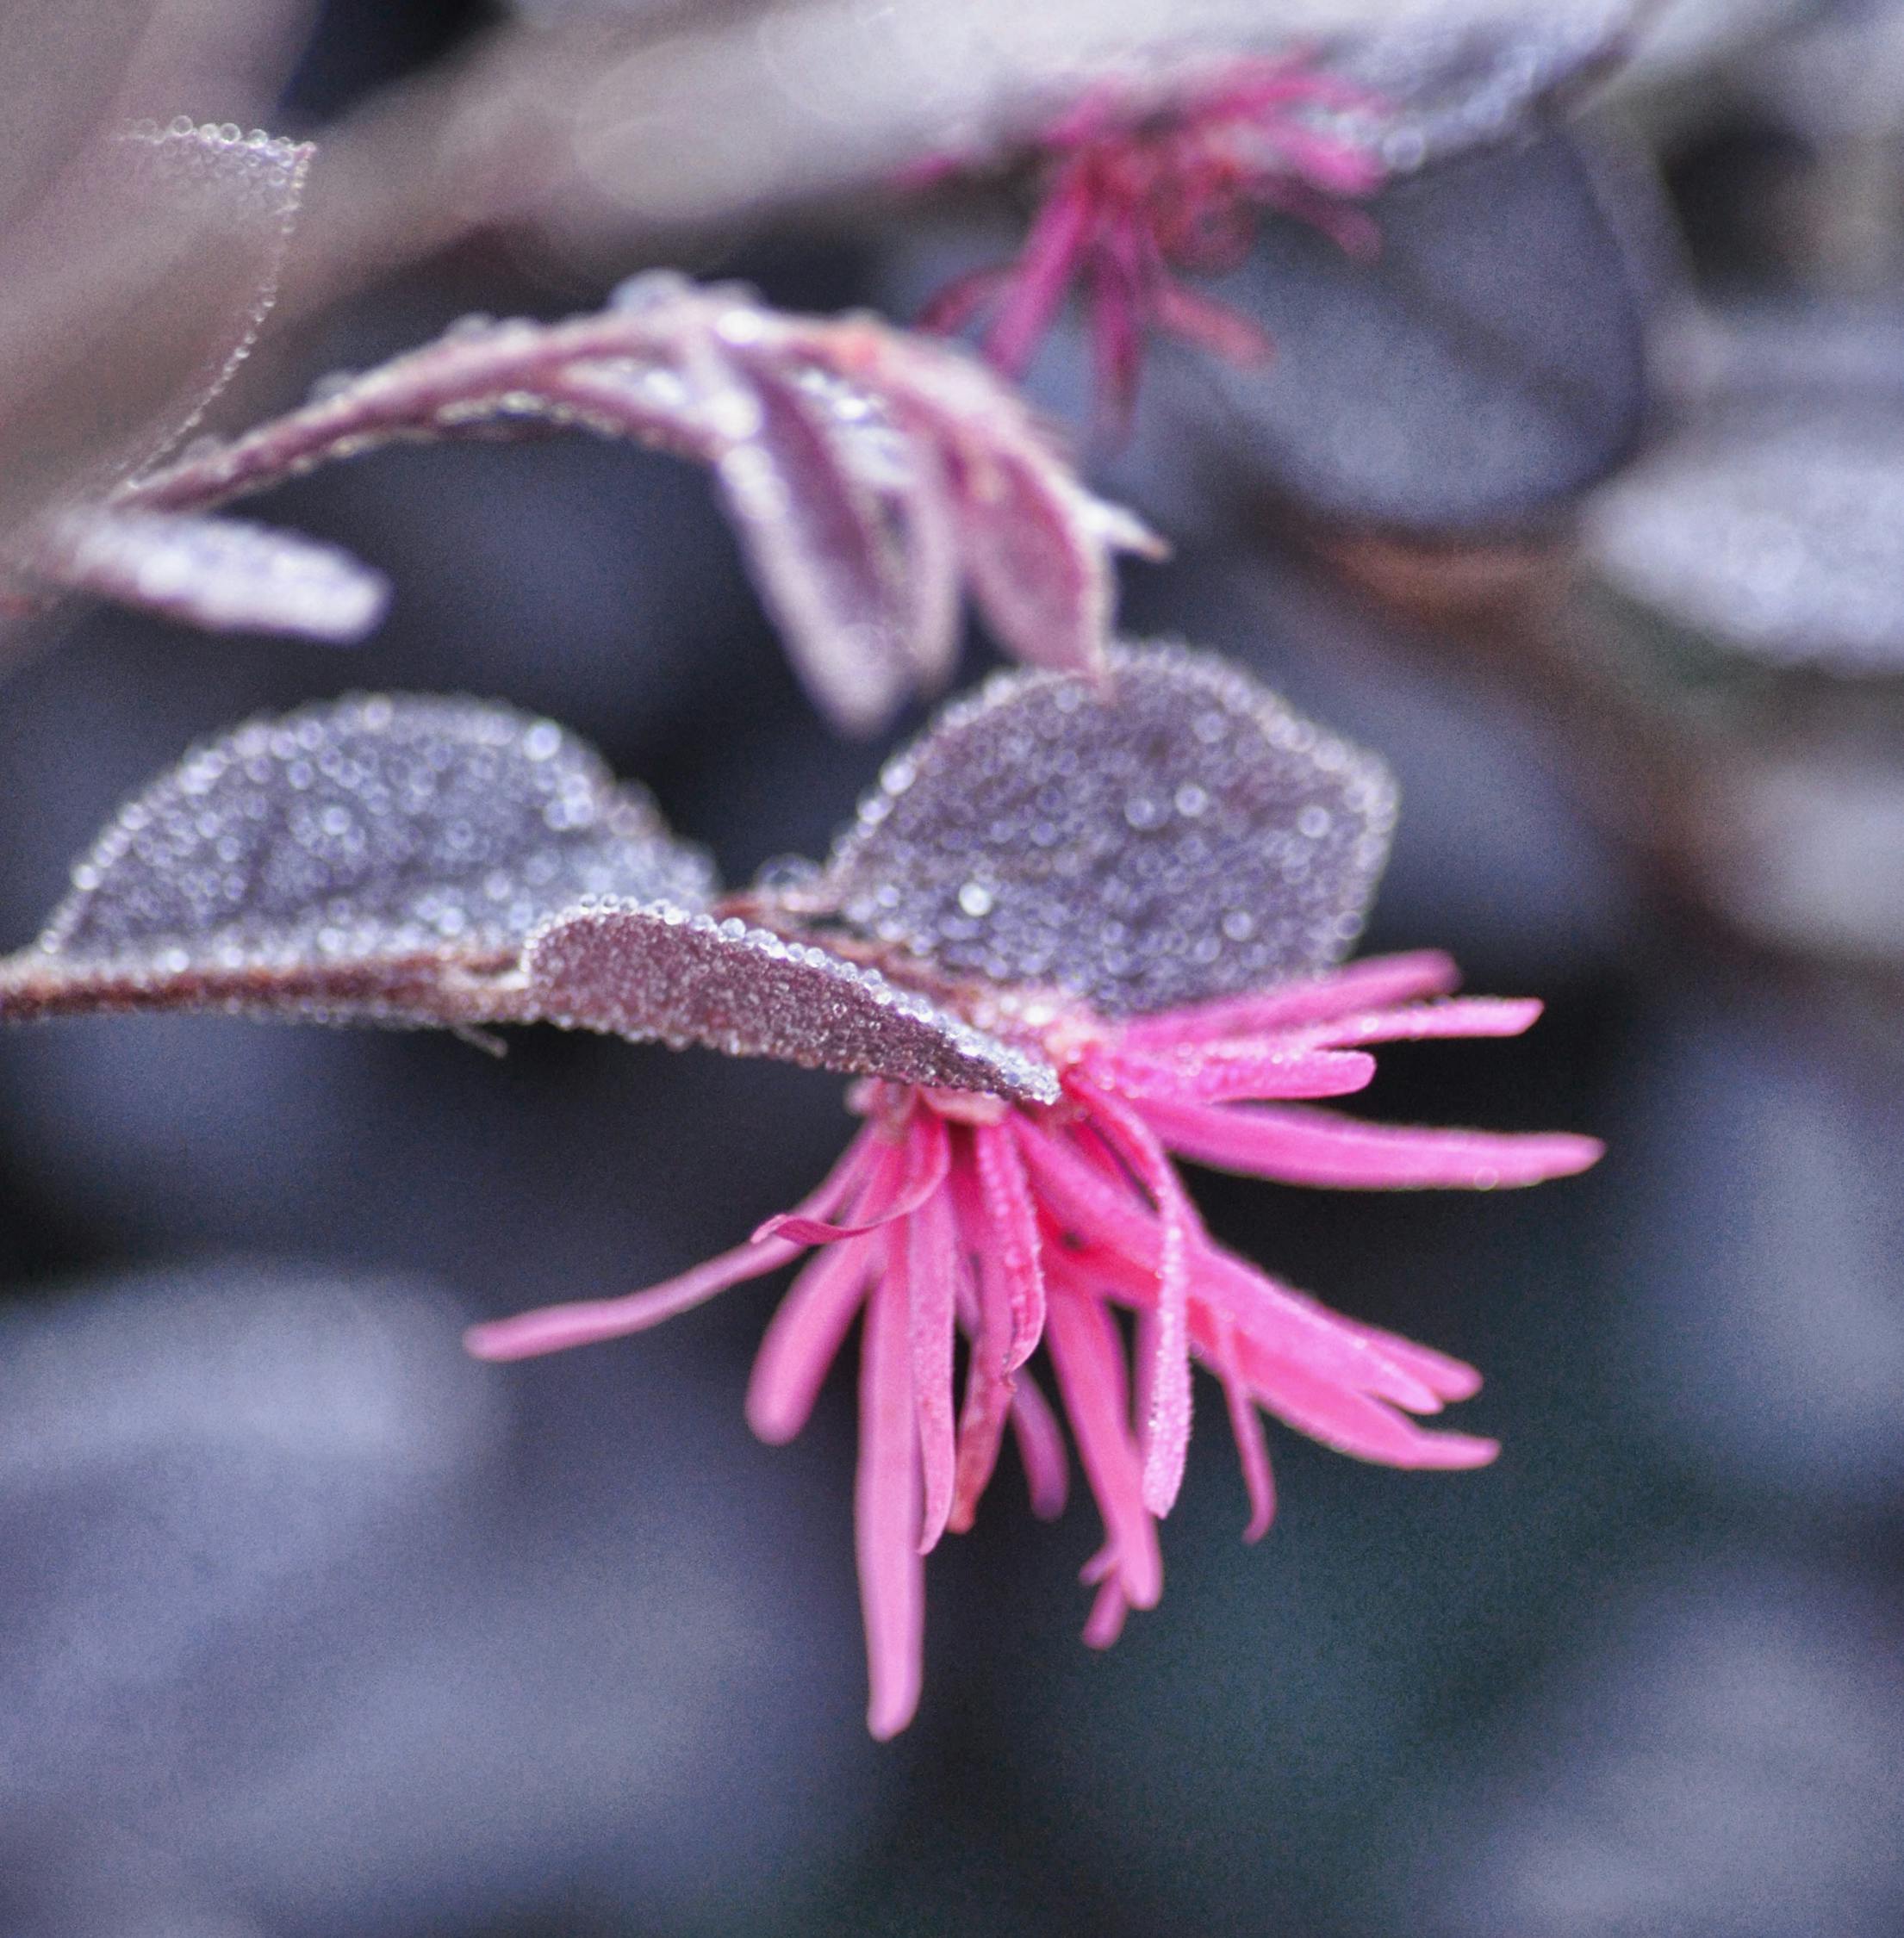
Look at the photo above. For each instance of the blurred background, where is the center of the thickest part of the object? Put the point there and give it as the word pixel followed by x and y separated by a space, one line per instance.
pixel 1585 504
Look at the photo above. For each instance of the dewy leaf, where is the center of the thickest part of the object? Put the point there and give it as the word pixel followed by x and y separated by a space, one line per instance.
pixel 1485 365
pixel 1774 530
pixel 1178 836
pixel 369 857
pixel 219 573
pixel 133 293
pixel 662 972
pixel 872 474
pixel 826 567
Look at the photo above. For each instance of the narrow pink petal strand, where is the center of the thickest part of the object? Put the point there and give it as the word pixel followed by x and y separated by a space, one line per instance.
pixel 1246 1424
pixel 1108 1609
pixel 932 1285
pixel 892 1191
pixel 585 1322
pixel 1089 1361
pixel 1460 1016
pixel 1041 1447
pixel 1014 1245
pixel 887 1514
pixel 1045 268
pixel 1354 1423
pixel 1167 1399
pixel 802 1340
pixel 1302 1147
pixel 988 1396
pixel 588 1321
pixel 1080 1199
pixel 1211 325
pixel 961 298
pixel 1447 1377
pixel 1376 982
pixel 1337 168
pixel 1228 1069
pixel 985 1310
pixel 1119 301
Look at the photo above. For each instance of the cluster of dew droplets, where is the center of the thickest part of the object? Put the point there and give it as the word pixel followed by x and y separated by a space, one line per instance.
pixel 369 828
pixel 1178 836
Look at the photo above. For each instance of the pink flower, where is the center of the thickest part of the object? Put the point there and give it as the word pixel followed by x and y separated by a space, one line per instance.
pixel 1136 191
pixel 1019 1225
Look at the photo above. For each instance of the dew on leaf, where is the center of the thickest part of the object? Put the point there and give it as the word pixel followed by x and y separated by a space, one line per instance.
pixel 660 972
pixel 1180 835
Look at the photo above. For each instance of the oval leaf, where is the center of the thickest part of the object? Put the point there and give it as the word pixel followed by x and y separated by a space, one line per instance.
pixel 1776 533
pixel 221 574
pixel 659 972
pixel 1181 835
pixel 133 292
pixel 1486 364
pixel 369 856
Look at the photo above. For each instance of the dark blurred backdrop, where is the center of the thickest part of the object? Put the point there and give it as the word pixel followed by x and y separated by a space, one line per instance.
pixel 309 1626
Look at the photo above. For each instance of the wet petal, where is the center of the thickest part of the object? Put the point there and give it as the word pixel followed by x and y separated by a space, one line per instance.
pixel 1377 981
pixel 1299 1146
pixel 1041 1447
pixel 1245 1423
pixel 1167 1400
pixel 886 1497
pixel 1013 1250
pixel 803 1338
pixel 1089 1361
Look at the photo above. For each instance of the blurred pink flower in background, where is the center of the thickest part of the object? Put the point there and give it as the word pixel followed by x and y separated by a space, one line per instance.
pixel 1138 187
pixel 1015 1224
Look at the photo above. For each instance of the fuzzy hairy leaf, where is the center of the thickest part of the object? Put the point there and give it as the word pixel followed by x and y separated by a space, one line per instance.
pixel 871 475
pixel 219 573
pixel 134 292
pixel 658 971
pixel 367 857
pixel 1176 836
pixel 1486 364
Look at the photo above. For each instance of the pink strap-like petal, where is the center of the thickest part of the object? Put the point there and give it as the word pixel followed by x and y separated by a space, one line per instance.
pixel 587 1321
pixel 1460 1016
pixel 1448 1378
pixel 1214 327
pixel 1245 1422
pixel 803 1340
pixel 1354 1423
pixel 1302 1147
pixel 1088 1358
pixel 985 1311
pixel 1045 267
pixel 1041 1447
pixel 1105 1622
pixel 1167 1399
pixel 1013 1245
pixel 1221 1070
pixel 886 1513
pixel 1378 981
pixel 1082 1200
pixel 891 1192
pixel 923 1256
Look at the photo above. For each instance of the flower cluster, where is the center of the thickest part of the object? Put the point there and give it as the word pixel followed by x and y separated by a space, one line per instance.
pixel 1136 189
pixel 1018 1225
pixel 1077 932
